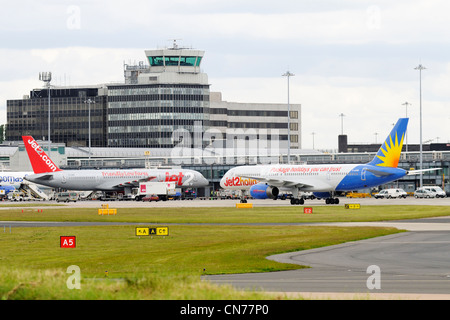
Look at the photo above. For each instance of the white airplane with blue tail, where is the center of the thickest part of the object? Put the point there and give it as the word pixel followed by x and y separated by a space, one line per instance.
pixel 266 181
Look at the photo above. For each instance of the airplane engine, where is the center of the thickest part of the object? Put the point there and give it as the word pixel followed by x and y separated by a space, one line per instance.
pixel 322 195
pixel 264 191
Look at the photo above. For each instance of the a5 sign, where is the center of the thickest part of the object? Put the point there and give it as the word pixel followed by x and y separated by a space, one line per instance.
pixel 68 241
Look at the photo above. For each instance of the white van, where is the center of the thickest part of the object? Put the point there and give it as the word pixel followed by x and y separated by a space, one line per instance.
pixel 391 193
pixel 435 189
pixel 67 196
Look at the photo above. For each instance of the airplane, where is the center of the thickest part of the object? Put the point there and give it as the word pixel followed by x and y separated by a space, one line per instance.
pixel 11 181
pixel 266 181
pixel 47 173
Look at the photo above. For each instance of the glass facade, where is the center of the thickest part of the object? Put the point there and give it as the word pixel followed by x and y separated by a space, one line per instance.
pixel 69 117
pixel 147 115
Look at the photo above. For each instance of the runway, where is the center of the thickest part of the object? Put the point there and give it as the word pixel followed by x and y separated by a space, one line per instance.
pixel 232 203
pixel 412 265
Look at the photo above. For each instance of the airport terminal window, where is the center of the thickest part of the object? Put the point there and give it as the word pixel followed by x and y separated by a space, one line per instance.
pixel 293 126
pixel 294 114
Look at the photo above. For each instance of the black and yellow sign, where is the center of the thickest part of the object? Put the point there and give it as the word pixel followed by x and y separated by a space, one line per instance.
pixel 158 231
pixel 142 231
pixel 353 206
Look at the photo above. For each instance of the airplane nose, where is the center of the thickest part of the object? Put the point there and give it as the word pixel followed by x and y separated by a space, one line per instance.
pixel 205 182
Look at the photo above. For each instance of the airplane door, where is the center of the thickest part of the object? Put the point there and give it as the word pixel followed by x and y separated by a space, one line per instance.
pixel 363 174
pixel 63 178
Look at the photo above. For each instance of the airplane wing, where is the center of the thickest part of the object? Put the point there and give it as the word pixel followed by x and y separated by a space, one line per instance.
pixel 44 177
pixel 278 182
pixel 412 172
pixel 134 183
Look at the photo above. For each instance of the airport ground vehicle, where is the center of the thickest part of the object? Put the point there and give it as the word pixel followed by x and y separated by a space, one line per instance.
pixel 391 193
pixel 161 189
pixel 424 193
pixel 66 197
pixel 437 190
pixel 150 198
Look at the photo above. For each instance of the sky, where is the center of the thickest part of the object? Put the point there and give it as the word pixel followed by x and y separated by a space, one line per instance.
pixel 350 57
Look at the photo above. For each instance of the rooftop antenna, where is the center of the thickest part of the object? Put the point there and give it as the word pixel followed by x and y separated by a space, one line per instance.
pixel 174 45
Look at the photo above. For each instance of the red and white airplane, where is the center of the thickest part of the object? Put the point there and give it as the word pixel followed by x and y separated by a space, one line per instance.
pixel 47 173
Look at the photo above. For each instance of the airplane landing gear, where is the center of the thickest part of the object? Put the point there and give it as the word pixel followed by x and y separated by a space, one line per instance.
pixel 332 201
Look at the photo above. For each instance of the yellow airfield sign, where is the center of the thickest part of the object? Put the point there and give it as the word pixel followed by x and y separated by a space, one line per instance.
pixel 147 231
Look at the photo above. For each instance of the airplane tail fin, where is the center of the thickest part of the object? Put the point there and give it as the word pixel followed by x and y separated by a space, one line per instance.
pixel 40 161
pixel 389 153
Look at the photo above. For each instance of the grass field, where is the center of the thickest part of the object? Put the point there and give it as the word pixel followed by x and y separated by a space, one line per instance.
pixel 116 264
pixel 282 214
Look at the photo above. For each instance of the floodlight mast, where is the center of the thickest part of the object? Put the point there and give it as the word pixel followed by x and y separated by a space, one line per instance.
pixel 89 101
pixel 420 68
pixel 47 78
pixel 406 135
pixel 288 75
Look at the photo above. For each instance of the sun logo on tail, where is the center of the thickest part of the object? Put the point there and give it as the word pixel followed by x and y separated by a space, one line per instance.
pixel 391 152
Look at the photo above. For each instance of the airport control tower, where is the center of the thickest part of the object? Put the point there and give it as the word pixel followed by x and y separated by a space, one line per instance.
pixel 168 93
pixel 173 65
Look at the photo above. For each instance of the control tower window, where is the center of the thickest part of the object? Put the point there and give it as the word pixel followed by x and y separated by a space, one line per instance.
pixel 156 61
pixel 175 61
pixel 187 61
pixel 171 61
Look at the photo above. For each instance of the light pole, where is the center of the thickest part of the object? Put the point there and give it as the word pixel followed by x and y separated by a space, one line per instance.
pixel 89 101
pixel 406 104
pixel 47 77
pixel 288 75
pixel 420 68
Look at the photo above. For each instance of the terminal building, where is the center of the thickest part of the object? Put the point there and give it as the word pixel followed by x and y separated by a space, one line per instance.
pixel 158 104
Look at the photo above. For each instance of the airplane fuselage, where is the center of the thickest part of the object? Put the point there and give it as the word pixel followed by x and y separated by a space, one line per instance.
pixel 116 180
pixel 14 179
pixel 315 178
